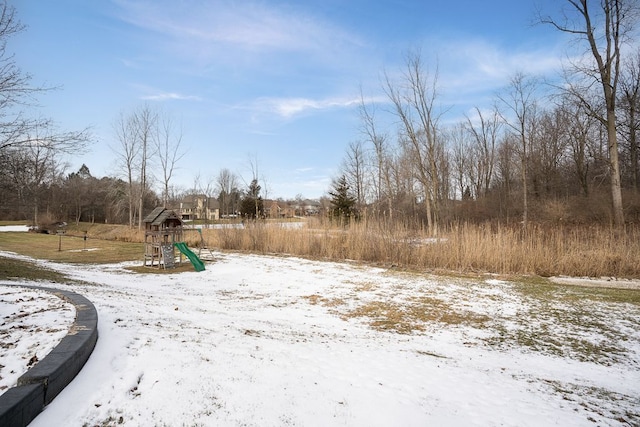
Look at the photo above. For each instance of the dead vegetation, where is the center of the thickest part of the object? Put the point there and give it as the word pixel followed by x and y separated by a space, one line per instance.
pixel 593 251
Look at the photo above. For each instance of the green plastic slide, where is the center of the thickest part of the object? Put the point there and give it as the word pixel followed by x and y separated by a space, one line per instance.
pixel 197 262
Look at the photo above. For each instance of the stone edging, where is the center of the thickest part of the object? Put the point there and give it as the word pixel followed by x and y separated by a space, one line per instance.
pixel 44 381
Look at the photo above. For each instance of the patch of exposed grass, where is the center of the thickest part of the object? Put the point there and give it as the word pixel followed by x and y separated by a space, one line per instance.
pixel 386 316
pixel 12 269
pixel 541 288
pixel 600 401
pixel 414 315
pixel 556 320
pixel 569 322
pixel 546 340
pixel 70 249
pixel 402 317
pixel 365 287
pixel 316 299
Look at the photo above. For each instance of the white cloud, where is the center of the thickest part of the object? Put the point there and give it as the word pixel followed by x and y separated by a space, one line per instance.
pixel 289 107
pixel 304 169
pixel 168 96
pixel 478 64
pixel 150 93
pixel 245 25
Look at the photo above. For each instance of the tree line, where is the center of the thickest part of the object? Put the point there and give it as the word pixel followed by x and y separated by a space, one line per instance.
pixel 563 153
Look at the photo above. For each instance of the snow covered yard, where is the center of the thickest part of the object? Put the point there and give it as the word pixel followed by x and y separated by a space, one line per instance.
pixel 271 341
pixel 32 322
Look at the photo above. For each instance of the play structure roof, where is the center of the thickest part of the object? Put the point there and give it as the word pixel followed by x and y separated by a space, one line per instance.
pixel 159 215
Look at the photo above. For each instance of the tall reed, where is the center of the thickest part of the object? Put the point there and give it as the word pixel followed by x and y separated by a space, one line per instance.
pixel 552 250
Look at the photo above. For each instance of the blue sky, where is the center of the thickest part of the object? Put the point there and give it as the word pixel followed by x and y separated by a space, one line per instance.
pixel 275 82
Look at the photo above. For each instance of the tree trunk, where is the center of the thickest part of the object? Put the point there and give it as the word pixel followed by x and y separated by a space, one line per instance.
pixel 525 198
pixel 633 148
pixel 616 189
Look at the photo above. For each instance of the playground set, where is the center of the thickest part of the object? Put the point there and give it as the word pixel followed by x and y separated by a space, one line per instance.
pixel 163 234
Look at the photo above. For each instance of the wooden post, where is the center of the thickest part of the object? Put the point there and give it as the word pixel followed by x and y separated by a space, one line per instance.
pixel 59 232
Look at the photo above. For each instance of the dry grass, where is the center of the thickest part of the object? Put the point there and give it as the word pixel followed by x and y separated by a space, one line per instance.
pixel 403 317
pixel 107 232
pixel 414 316
pixel 73 249
pixel 552 250
pixel 593 251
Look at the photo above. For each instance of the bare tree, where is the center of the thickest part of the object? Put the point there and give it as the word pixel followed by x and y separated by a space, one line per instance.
pixel 485 132
pixel 630 111
pixel 135 133
pixel 38 165
pixel 506 169
pixel 464 171
pixel 18 126
pixel 520 104
pixel 580 128
pixel 127 154
pixel 168 143
pixel 145 122
pixel 354 167
pixel 382 178
pixel 16 91
pixel 78 184
pixel 227 185
pixel 605 31
pixel 31 147
pixel 414 105
pixel 253 187
pixel 548 152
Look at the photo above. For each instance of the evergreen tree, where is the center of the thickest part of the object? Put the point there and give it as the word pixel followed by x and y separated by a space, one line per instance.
pixel 342 201
pixel 252 205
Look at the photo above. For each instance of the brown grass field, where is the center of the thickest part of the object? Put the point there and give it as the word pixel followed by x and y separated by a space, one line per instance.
pixel 578 251
pixel 592 251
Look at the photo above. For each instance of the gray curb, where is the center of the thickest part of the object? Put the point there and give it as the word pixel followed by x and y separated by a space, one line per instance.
pixel 43 382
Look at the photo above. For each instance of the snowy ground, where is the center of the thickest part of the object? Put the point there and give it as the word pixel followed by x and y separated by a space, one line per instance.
pixel 273 341
pixel 32 322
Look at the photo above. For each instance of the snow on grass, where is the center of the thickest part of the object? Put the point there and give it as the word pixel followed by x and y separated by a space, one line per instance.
pixel 32 323
pixel 272 341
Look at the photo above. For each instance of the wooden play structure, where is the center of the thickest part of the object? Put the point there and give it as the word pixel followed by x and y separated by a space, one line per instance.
pixel 162 229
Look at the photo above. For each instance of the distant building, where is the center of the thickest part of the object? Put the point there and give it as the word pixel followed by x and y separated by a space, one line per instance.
pixel 277 209
pixel 306 207
pixel 283 209
pixel 199 207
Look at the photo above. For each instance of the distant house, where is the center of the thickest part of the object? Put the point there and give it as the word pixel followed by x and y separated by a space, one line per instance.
pixel 306 207
pixel 289 209
pixel 277 209
pixel 272 209
pixel 311 207
pixel 199 207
